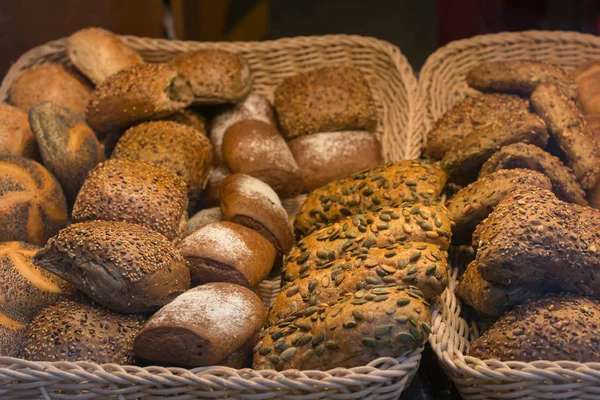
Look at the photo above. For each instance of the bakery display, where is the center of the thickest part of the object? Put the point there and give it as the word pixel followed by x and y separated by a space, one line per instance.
pixel 16 138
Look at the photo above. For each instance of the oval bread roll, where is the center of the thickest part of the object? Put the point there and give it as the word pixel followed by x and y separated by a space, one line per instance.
pixel 204 217
pixel 212 195
pixel 587 77
pixel 13 334
pixel 16 138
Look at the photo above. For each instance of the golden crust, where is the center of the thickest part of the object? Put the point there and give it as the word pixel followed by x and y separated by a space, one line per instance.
pixel 16 138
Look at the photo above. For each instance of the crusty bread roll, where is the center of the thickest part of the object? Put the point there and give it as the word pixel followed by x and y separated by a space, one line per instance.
pixel 250 202
pixel 68 146
pixel 256 148
pixel 98 53
pixel 587 77
pixel 204 217
pixel 191 118
pixel 33 204
pixel 137 93
pixel 593 122
pixel 49 82
pixel 13 333
pixel 203 326
pixel 212 195
pixel 217 76
pixel 71 331
pixel 16 138
pixel 125 267
pixel 323 100
pixel 329 156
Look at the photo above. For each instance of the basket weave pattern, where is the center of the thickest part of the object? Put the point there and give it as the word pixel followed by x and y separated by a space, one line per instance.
pixel 394 88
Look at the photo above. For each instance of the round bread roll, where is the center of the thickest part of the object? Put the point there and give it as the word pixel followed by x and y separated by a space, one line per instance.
pixel 71 331
pixel 257 149
pixel 125 267
pixel 227 252
pixel 212 194
pixel 13 333
pixel 137 93
pixel 587 77
pixel 171 145
pixel 136 192
pixel 67 144
pixel 593 121
pixel 204 217
pixel 203 326
pixel 190 118
pixel 216 76
pixel 32 204
pixel 98 53
pixel 16 138
pixel 49 82
pixel 329 156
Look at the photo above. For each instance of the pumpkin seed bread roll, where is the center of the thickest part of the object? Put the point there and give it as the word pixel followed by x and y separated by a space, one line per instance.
pixel 473 203
pixel 325 100
pixel 384 321
pixel 387 185
pixel 13 334
pixel 469 114
pixel 570 130
pixel 520 77
pixel 421 265
pixel 406 223
pixel 16 138
pixel 522 155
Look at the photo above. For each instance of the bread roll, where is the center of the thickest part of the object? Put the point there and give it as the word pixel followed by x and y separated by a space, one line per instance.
pixel 252 203
pixel 323 100
pixel 137 192
pixel 190 118
pixel 125 267
pixel 212 195
pixel 16 138
pixel 587 77
pixel 171 145
pixel 227 252
pixel 137 93
pixel 256 148
pixel 98 53
pixel 329 156
pixel 68 146
pixel 33 204
pixel 203 326
pixel 594 125
pixel 217 76
pixel 204 217
pixel 49 82
pixel 13 333
pixel 71 331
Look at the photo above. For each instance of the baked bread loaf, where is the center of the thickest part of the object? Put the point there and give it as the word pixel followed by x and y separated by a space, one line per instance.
pixel 470 114
pixel 49 82
pixel 242 357
pixel 324 100
pixel 593 122
pixel 555 328
pixel 227 252
pixel 191 118
pixel 33 204
pixel 125 267
pixel 13 333
pixel 384 322
pixel 16 138
pixel 71 331
pixel 520 77
pixel 68 146
pixel 250 202
pixel 137 192
pixel 203 326
pixel 388 185
pixel 473 203
pixel 138 93
pixel 212 194
pixel 216 76
pixel 569 128
pixel 522 155
pixel 587 77
pixel 171 145
pixel 329 156
pixel 98 53
pixel 257 149
pixel 204 217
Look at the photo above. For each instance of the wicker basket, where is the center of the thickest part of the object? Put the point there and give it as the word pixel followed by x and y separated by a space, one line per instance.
pixel 441 86
pixel 394 88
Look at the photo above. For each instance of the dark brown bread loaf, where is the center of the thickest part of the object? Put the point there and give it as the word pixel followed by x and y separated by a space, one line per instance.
pixel 468 115
pixel 13 333
pixel 556 328
pixel 325 100
pixel 520 77
pixel 33 204
pixel 384 322
pixel 203 326
pixel 71 331
pixel 16 138
pixel 570 130
pixel 125 267
pixel 522 155
pixel 473 203
pixel 136 192
pixel 68 146
pixel 386 186
pixel 587 77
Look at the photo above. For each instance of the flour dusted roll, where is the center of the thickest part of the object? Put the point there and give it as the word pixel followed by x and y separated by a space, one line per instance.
pixel 212 195
pixel 16 138
pixel 204 217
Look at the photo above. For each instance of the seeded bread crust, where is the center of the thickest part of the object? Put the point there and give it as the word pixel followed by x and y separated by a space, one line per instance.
pixel 16 138
pixel 13 334
pixel 385 322
pixel 190 117
pixel 386 186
